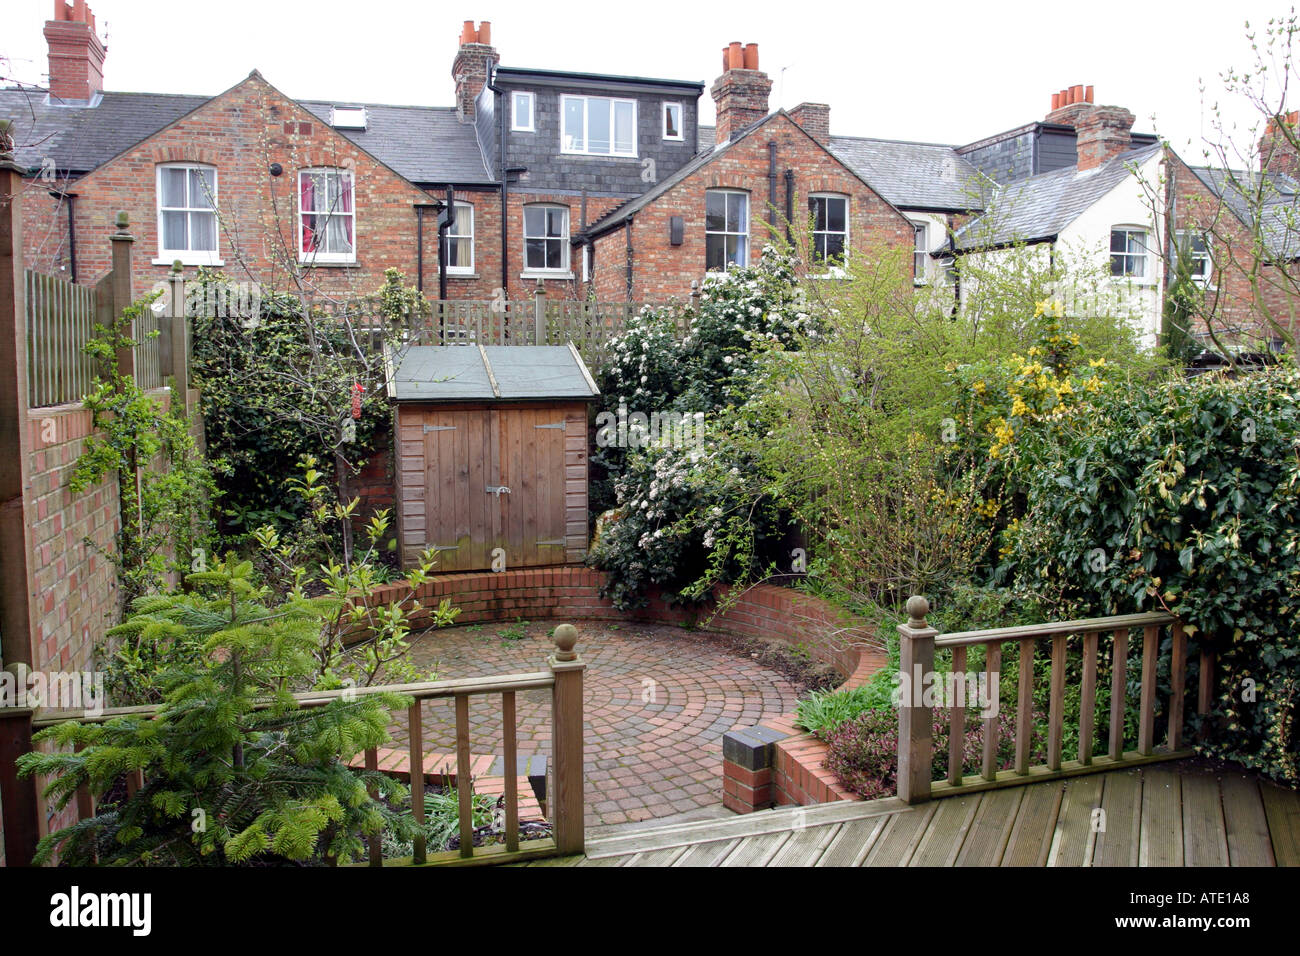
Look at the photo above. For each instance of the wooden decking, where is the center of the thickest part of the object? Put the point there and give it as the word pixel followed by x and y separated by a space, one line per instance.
pixel 1177 814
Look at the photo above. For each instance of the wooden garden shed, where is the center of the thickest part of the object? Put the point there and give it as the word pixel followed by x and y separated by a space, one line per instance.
pixel 492 453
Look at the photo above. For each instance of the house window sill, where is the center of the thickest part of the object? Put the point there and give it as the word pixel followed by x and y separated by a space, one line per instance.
pixel 188 259
pixel 314 263
pixel 460 275
pixel 545 275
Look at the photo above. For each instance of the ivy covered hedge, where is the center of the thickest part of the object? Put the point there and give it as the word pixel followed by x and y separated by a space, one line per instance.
pixel 1185 496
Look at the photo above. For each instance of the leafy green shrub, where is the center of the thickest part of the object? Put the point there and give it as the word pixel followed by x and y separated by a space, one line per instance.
pixel 1185 496
pixel 820 712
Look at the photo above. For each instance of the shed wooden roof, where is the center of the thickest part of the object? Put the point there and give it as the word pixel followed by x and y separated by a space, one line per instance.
pixel 491 373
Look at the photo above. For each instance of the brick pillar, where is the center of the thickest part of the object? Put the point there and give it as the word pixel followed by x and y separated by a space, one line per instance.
pixel 747 756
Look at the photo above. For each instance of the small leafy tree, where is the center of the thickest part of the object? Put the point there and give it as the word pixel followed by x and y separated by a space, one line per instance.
pixel 235 770
pixel 363 634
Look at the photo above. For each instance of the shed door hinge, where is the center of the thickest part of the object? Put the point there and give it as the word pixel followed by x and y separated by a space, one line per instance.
pixel 556 543
pixel 553 425
pixel 439 428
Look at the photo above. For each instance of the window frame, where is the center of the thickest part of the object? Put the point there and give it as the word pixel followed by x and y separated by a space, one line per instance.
pixel 189 257
pixel 514 112
pixel 834 269
pixel 681 121
pixel 920 252
pixel 1146 277
pixel 317 257
pixel 726 232
pixel 613 101
pixel 565 267
pixel 462 208
pixel 1205 279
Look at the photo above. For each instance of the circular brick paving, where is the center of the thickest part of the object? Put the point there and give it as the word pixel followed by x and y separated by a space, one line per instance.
pixel 657 701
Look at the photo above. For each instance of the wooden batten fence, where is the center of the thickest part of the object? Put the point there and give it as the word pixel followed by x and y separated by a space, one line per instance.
pixel 61 319
pixel 544 321
pixel 919 643
pixel 564 799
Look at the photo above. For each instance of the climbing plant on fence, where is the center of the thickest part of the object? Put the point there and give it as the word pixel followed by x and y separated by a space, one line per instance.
pixel 165 484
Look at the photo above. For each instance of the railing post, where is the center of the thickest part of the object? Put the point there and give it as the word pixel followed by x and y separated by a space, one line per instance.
pixel 19 801
pixel 539 313
pixel 915 720
pixel 567 741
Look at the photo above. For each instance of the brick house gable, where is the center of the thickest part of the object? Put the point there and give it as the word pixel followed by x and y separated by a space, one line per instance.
pixel 660 269
pixel 240 132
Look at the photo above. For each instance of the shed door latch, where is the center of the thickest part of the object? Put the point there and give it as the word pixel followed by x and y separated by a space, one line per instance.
pixel 498 490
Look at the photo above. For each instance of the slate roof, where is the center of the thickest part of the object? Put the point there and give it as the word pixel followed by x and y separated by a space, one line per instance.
pixel 80 138
pixel 914 175
pixel 425 144
pixel 909 175
pixel 493 373
pixel 1040 207
pixel 1276 196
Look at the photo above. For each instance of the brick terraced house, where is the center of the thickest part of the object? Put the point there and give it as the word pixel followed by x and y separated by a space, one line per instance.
pixel 593 185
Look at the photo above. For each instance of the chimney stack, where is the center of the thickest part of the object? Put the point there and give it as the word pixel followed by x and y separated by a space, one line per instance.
pixel 815 120
pixel 76 54
pixel 741 91
pixel 472 66
pixel 1276 152
pixel 1101 132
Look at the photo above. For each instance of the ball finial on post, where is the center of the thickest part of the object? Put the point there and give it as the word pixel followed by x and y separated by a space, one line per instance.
pixel 917 608
pixel 565 637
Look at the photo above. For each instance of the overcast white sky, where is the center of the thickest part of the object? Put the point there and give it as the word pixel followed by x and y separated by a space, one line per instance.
pixel 934 71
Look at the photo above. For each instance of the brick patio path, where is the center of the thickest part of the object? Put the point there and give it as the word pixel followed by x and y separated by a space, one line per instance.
pixel 644 759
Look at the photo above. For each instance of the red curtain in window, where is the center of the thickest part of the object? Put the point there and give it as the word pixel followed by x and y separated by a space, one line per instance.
pixel 307 205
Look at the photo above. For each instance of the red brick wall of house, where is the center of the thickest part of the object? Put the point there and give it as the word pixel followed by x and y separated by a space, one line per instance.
pixel 241 132
pixel 661 270
pixel 1231 297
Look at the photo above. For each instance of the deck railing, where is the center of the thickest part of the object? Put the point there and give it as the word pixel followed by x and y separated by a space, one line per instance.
pixel 564 799
pixel 918 644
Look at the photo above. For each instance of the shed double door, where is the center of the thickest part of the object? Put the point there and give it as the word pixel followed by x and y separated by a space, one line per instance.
pixel 494 478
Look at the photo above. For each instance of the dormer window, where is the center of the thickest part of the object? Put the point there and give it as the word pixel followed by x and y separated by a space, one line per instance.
pixel 598 126
pixel 522 110
pixel 348 117
pixel 673 121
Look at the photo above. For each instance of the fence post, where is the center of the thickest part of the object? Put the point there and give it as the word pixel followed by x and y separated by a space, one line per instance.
pixel 539 312
pixel 567 741
pixel 120 281
pixel 177 336
pixel 915 719
pixel 18 797
pixel 16 590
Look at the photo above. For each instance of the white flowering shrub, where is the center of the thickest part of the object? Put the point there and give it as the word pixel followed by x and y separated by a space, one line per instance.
pixel 682 518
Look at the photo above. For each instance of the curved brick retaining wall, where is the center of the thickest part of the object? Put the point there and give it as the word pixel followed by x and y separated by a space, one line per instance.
pixel 772 763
